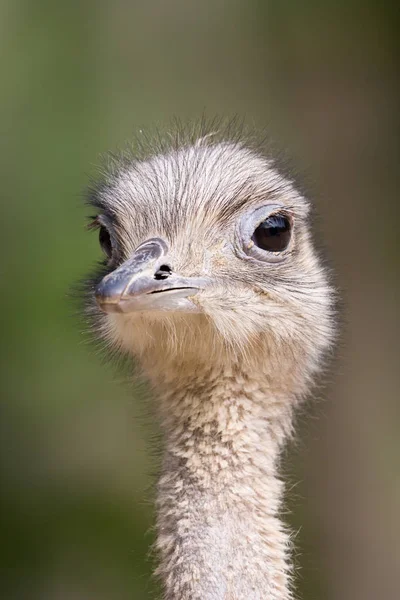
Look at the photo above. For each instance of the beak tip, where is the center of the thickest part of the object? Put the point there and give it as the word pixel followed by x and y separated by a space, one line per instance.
pixel 108 306
pixel 135 286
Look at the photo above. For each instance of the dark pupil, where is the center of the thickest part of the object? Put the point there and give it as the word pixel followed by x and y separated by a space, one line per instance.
pixel 105 242
pixel 273 234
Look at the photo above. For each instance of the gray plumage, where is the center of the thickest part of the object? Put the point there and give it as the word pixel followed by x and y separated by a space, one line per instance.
pixel 230 336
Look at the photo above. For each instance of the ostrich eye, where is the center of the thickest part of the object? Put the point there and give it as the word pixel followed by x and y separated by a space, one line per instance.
pixel 105 241
pixel 273 234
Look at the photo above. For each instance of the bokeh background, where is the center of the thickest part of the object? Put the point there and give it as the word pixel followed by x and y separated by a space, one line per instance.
pixel 77 450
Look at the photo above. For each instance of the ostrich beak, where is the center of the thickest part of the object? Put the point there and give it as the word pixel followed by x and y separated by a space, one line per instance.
pixel 146 282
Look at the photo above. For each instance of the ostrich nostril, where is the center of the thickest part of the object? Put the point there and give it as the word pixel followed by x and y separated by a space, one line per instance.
pixel 163 272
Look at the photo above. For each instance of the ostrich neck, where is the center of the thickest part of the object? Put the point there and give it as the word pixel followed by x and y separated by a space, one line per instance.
pixel 219 536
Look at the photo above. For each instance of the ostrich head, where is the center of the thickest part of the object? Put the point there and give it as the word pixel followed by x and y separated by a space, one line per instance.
pixel 209 259
pixel 212 282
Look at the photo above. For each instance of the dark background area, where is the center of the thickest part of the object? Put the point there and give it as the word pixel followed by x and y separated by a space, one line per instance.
pixel 77 452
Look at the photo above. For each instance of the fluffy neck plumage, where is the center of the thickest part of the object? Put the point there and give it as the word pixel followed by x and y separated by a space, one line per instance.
pixel 219 537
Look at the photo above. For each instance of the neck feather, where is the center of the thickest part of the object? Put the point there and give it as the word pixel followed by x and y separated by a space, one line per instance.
pixel 219 536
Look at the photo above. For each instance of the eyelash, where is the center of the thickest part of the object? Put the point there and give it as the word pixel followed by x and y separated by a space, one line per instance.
pixel 94 223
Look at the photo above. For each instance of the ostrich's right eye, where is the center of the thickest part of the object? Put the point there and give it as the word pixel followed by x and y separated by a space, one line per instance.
pixel 105 241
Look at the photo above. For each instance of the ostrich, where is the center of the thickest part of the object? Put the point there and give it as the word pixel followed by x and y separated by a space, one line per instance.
pixel 211 282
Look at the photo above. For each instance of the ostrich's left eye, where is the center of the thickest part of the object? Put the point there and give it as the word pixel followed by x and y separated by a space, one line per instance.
pixel 273 234
pixel 105 241
pixel 266 233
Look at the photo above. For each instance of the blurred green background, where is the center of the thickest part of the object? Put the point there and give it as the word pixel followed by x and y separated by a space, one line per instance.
pixel 77 450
